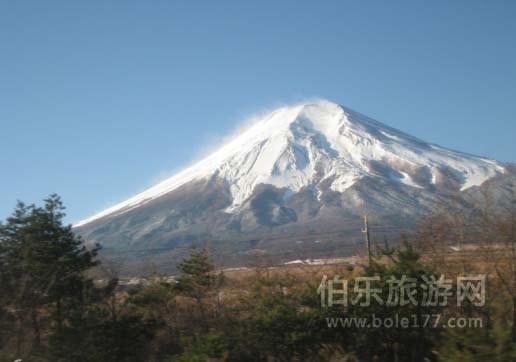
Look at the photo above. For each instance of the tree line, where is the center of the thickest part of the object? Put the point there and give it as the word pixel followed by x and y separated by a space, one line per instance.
pixel 52 308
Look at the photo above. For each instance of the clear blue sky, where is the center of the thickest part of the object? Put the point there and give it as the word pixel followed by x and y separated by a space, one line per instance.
pixel 100 99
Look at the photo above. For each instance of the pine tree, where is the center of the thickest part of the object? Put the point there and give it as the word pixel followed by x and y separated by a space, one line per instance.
pixel 42 265
pixel 197 276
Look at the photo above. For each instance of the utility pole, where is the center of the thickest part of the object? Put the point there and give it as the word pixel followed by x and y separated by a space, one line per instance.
pixel 368 242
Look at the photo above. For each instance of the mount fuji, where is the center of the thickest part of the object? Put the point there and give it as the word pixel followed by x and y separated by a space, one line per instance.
pixel 297 180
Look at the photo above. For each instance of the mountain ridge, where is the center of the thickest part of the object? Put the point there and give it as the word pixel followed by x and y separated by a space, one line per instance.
pixel 295 185
pixel 296 146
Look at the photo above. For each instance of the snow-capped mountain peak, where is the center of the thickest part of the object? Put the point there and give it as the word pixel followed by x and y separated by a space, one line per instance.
pixel 321 143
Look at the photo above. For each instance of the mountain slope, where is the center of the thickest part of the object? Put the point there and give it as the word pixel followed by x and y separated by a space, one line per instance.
pixel 309 144
pixel 314 166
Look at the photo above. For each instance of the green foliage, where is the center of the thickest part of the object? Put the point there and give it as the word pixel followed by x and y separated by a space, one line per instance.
pixel 277 322
pixel 96 336
pixel 51 312
pixel 41 268
pixel 197 276
pixel 42 261
pixel 492 342
pixel 211 345
pixel 415 343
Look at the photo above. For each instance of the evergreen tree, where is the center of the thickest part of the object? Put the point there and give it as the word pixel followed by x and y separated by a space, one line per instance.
pixel 42 265
pixel 197 276
pixel 414 342
pixel 198 280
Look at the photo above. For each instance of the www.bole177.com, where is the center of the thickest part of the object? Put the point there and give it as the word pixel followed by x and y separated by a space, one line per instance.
pixel 412 321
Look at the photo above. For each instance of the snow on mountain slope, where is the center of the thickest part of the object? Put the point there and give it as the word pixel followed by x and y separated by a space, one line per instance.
pixel 307 144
